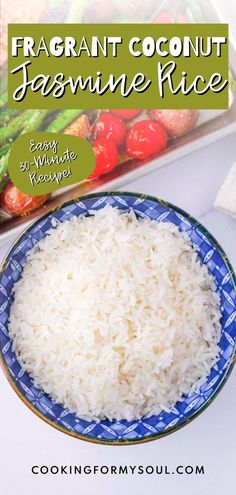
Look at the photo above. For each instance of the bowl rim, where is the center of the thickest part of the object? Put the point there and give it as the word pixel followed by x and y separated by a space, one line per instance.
pixel 225 375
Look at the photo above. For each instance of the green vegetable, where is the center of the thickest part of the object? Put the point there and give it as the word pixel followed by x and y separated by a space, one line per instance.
pixel 7 115
pixel 15 126
pixel 76 11
pixel 4 99
pixel 3 171
pixel 62 120
pixel 29 120
pixel 49 117
pixel 4 149
pixel 4 79
pixel 125 20
pixel 33 121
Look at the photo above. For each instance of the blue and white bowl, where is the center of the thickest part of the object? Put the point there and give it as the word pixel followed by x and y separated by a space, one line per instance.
pixel 121 432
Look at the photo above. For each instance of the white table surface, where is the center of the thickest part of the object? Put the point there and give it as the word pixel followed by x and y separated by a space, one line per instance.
pixel 209 440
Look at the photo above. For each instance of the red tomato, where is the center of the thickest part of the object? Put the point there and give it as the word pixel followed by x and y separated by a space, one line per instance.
pixel 106 157
pixel 126 114
pixel 145 138
pixel 112 127
pixel 16 202
pixel 168 17
pixel 175 122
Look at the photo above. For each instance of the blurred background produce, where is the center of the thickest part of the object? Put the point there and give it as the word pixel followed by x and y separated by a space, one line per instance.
pixel 124 141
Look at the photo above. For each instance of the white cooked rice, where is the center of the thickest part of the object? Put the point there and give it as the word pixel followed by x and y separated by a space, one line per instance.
pixel 115 317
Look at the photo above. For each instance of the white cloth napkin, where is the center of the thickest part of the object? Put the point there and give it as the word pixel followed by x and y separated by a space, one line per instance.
pixel 226 197
pixel 223 227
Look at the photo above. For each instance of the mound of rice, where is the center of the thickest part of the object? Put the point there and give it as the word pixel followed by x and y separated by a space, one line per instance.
pixel 115 317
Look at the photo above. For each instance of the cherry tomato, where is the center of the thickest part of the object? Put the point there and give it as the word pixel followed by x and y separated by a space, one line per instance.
pixel 16 202
pixel 126 114
pixel 145 138
pixel 168 17
pixel 111 127
pixel 106 157
pixel 80 127
pixel 175 122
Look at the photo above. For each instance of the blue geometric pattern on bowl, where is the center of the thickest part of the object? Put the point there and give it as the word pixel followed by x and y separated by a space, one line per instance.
pixel 147 428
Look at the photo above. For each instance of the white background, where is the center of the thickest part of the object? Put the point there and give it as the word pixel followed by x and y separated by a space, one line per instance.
pixel 209 440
